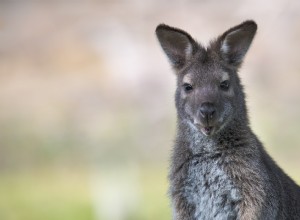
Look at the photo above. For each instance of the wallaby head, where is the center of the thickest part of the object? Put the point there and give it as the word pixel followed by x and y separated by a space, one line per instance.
pixel 209 96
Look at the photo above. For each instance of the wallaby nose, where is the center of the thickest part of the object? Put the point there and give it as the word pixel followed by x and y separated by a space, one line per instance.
pixel 207 111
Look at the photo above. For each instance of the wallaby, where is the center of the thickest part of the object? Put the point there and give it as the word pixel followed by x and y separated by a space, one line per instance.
pixel 219 169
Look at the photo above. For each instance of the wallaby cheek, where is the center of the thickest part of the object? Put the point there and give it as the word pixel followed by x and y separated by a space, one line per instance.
pixel 230 92
pixel 188 111
pixel 227 113
pixel 183 96
pixel 183 106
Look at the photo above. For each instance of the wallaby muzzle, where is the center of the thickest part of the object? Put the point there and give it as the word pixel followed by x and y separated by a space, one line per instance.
pixel 206 117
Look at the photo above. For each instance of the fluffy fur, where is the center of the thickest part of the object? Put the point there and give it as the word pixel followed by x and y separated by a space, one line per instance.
pixel 219 168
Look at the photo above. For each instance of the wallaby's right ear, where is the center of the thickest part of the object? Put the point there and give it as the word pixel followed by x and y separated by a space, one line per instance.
pixel 178 45
pixel 235 42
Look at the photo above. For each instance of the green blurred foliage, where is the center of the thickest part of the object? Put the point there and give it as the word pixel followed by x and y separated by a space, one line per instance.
pixel 64 195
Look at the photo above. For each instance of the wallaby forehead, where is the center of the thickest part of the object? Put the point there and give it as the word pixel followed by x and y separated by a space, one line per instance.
pixel 205 71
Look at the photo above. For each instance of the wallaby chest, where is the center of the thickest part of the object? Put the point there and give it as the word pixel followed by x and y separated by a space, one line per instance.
pixel 210 190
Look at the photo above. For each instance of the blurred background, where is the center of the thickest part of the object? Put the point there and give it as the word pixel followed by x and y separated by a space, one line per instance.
pixel 87 118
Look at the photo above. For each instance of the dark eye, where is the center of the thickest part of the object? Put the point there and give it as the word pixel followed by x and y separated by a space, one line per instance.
pixel 187 87
pixel 224 85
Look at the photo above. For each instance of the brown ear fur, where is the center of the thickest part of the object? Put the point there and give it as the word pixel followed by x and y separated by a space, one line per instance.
pixel 235 42
pixel 178 45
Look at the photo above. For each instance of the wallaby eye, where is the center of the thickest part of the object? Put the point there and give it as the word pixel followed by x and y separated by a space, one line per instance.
pixel 187 87
pixel 224 85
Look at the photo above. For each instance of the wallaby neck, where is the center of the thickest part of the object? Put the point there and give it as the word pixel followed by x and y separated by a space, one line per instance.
pixel 237 134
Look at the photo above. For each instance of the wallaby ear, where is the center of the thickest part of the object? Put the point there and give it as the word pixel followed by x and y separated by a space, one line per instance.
pixel 235 42
pixel 178 45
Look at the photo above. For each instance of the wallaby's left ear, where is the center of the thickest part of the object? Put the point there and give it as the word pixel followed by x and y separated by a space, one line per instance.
pixel 178 45
pixel 235 42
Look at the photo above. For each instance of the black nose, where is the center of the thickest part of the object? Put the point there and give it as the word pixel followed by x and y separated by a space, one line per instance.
pixel 207 110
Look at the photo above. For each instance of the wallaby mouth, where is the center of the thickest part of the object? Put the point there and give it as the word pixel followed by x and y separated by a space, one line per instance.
pixel 206 117
pixel 207 131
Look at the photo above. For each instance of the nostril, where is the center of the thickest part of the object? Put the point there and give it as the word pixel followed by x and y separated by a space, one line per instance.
pixel 211 114
pixel 202 112
pixel 207 110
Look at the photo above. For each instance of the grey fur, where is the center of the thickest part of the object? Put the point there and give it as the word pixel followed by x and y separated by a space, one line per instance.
pixel 219 168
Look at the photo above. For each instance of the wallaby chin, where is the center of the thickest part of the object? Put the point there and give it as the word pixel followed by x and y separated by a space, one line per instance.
pixel 206 131
pixel 219 168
